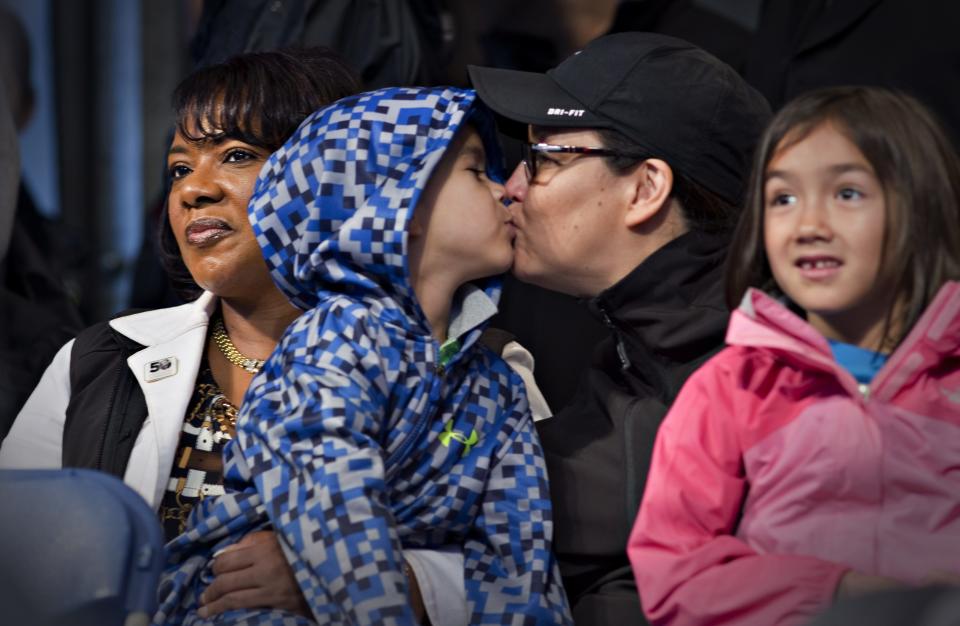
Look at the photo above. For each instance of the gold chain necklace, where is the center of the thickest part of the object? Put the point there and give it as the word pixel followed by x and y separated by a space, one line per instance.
pixel 222 339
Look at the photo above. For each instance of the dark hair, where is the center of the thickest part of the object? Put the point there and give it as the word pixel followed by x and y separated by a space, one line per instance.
pixel 258 98
pixel 918 170
pixel 702 209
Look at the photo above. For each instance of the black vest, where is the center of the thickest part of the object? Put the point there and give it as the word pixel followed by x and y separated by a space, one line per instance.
pixel 107 409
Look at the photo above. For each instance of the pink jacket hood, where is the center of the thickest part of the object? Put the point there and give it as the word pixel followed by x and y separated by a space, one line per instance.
pixel 763 322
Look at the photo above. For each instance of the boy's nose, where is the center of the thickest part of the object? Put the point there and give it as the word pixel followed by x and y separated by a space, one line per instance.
pixel 498 190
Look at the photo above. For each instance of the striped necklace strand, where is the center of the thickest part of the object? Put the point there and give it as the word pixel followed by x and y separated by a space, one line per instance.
pixel 222 339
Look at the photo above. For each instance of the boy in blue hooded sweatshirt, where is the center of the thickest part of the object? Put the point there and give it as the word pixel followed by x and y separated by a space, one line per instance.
pixel 380 423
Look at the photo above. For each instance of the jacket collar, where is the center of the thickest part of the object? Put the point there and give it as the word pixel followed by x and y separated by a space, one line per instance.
pixel 472 309
pixel 763 322
pixel 166 368
pixel 158 326
pixel 673 302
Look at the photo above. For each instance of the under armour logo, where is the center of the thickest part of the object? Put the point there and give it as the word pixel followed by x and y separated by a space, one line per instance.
pixel 449 433
pixel 952 396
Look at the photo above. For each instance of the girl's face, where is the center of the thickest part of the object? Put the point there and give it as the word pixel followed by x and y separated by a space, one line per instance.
pixel 211 183
pixel 824 222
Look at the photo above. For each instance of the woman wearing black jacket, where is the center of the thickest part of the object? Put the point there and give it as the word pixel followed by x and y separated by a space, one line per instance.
pixel 638 149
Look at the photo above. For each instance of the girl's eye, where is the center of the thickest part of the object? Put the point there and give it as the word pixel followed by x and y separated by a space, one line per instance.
pixel 178 171
pixel 781 199
pixel 848 193
pixel 479 172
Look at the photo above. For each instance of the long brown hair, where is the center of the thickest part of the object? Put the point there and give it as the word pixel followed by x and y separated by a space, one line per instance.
pixel 918 169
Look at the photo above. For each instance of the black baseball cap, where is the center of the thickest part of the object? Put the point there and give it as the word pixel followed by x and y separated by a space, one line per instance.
pixel 674 100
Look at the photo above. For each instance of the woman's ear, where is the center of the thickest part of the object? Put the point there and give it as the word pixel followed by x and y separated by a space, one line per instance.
pixel 650 187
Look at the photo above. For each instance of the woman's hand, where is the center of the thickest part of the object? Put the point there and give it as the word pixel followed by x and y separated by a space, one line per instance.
pixel 253 574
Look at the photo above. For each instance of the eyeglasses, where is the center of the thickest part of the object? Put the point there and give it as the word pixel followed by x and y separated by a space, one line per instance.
pixel 534 158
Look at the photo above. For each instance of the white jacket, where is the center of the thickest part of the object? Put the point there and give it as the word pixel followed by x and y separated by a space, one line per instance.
pixel 176 333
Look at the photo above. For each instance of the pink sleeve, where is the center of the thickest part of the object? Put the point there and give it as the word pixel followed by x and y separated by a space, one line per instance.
pixel 689 567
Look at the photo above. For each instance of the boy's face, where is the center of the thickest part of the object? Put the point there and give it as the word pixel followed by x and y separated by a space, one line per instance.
pixel 461 229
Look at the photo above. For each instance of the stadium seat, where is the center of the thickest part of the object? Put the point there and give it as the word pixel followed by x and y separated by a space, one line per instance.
pixel 78 548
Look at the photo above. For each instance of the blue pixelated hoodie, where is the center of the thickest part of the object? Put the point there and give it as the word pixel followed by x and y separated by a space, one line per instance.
pixel 362 436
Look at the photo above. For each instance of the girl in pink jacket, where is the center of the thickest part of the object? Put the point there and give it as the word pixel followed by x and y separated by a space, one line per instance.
pixel 818 455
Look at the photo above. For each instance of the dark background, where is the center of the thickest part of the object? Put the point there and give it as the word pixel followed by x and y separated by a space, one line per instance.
pixel 93 151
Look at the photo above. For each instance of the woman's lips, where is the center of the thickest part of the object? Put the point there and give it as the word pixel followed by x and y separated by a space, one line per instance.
pixel 206 230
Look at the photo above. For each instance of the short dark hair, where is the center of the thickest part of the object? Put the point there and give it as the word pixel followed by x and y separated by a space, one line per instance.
pixel 702 210
pixel 918 170
pixel 258 98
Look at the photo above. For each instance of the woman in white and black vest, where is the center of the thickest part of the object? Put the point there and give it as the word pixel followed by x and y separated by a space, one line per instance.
pixel 152 397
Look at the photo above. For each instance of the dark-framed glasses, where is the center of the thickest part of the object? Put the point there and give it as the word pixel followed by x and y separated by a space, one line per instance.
pixel 536 159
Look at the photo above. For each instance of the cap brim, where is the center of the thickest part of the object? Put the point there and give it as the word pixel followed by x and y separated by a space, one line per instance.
pixel 530 98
